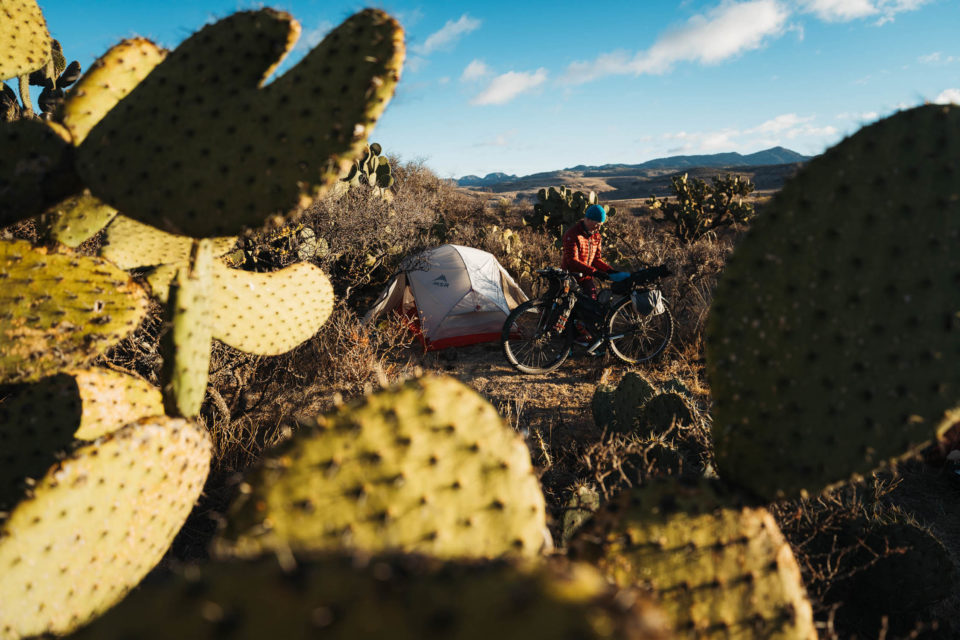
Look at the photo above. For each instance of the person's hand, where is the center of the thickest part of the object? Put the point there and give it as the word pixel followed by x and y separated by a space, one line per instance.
pixel 619 276
pixel 600 275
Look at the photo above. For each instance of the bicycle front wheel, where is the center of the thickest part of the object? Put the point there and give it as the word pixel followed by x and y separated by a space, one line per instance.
pixel 529 341
pixel 635 337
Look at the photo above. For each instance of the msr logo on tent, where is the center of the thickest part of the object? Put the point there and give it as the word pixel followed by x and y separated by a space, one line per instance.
pixel 441 281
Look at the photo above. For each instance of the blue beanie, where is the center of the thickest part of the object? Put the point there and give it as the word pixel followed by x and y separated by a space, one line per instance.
pixel 595 212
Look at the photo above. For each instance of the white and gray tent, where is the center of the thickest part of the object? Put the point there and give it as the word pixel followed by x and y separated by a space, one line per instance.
pixel 453 296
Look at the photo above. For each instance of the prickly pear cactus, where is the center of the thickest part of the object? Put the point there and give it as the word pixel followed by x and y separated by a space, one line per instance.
pixel 835 329
pixel 425 467
pixel 365 598
pixel 720 570
pixel 269 313
pixel 59 311
pixel 205 173
pixel 98 521
pixel 186 346
pixel 559 207
pixel 108 81
pixel 663 411
pixel 581 505
pixel 24 40
pixel 618 409
pixel 77 219
pixel 131 244
pixel 371 170
pixel 39 420
pixel 36 168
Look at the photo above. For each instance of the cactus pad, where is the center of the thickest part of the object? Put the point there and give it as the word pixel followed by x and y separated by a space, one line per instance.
pixel 131 244
pixel 96 524
pixel 402 598
pixel 186 347
pixel 78 218
pixel 59 311
pixel 834 334
pixel 428 467
pixel 663 411
pixel 107 82
pixel 720 571
pixel 269 313
pixel 39 420
pixel 216 165
pixel 24 40
pixel 36 168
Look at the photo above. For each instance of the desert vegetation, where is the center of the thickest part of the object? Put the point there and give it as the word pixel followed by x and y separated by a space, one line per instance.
pixel 201 437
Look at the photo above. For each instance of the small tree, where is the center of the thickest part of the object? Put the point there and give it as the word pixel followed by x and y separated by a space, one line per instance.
pixel 701 208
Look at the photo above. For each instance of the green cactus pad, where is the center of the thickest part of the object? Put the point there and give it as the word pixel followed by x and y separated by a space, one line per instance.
pixel 131 244
pixel 601 406
pixel 582 504
pixel 39 420
pixel 60 311
pixel 36 168
pixel 402 598
pixel 663 411
pixel 96 524
pixel 78 218
pixel 24 39
pixel 107 82
pixel 217 165
pixel 632 393
pixel 186 346
pixel 834 335
pixel 720 571
pixel 426 467
pixel 269 313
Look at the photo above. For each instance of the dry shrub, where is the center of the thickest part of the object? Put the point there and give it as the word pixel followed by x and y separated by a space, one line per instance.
pixel 252 401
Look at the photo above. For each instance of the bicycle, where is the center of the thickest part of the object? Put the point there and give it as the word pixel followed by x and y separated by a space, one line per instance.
pixel 631 319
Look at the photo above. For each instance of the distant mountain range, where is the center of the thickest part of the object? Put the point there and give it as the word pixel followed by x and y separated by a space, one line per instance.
pixel 772 156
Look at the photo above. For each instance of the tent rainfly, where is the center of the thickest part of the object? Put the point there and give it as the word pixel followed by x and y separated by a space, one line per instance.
pixel 453 295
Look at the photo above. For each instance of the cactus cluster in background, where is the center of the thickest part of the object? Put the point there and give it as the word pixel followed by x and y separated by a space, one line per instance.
pixel 634 405
pixel 559 207
pixel 369 170
pixel 700 208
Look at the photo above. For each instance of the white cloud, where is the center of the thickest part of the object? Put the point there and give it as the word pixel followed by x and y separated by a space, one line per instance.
pixel 508 86
pixel 948 96
pixel 500 140
pixel 937 58
pixel 780 123
pixel 847 10
pixel 720 34
pixel 448 35
pixel 476 70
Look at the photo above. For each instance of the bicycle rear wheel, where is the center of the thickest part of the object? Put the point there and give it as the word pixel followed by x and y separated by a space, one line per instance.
pixel 529 341
pixel 636 337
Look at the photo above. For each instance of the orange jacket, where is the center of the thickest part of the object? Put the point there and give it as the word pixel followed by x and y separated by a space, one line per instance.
pixel 581 252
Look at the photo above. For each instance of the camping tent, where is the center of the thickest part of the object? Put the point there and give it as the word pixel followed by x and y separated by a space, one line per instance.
pixel 453 295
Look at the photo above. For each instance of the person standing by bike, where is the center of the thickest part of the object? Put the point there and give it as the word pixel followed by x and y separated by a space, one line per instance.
pixel 582 250
pixel 582 254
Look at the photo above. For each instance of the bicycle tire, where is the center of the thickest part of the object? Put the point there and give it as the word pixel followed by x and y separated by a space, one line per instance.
pixel 530 347
pixel 655 331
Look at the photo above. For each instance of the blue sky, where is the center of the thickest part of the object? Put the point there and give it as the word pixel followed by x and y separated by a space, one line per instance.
pixel 531 86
